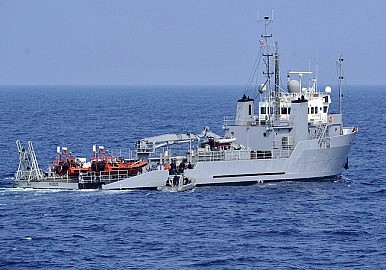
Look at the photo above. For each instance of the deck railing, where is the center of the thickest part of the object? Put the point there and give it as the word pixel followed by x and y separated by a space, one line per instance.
pixel 203 156
pixel 103 176
pixel 283 148
pixel 28 175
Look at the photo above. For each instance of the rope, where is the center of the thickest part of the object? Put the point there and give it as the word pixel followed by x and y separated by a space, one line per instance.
pixel 253 72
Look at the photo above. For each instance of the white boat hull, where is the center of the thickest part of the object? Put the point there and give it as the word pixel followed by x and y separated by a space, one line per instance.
pixel 303 164
pixel 307 162
pixel 46 185
pixel 148 180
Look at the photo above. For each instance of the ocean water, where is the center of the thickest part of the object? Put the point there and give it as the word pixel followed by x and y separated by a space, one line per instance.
pixel 289 225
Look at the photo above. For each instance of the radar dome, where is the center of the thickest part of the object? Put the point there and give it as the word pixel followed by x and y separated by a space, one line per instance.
pixel 293 86
pixel 327 89
pixel 262 88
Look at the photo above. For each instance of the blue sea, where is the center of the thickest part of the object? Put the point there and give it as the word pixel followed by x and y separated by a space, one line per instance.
pixel 288 225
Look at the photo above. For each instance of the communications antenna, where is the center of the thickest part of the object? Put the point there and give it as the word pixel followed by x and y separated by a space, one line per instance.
pixel 340 64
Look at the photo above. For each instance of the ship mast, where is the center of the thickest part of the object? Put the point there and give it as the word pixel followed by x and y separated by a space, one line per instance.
pixel 267 55
pixel 340 63
pixel 277 82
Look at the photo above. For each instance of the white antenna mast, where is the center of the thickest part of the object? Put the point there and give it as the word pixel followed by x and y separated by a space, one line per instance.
pixel 317 69
pixel 340 63
pixel 267 55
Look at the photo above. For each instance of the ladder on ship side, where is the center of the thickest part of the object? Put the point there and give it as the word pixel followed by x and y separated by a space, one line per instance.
pixel 321 131
pixel 320 135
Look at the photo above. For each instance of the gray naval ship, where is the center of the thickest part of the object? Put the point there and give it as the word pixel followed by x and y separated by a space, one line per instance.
pixel 292 136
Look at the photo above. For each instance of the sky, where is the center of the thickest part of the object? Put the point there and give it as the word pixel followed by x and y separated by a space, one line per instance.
pixel 185 42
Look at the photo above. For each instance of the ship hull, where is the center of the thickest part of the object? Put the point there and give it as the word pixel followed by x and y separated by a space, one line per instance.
pixel 46 184
pixel 308 162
